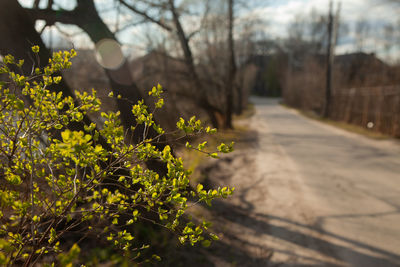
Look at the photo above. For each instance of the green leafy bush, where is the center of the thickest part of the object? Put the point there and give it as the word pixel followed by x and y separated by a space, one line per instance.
pixel 55 180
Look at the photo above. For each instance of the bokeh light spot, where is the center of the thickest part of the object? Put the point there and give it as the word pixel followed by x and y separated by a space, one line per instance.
pixel 109 54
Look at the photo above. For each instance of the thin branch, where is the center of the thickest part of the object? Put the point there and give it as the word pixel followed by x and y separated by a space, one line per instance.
pixel 146 16
pixel 203 21
pixel 133 24
pixel 118 6
pixel 42 30
pixel 36 4
pixel 68 35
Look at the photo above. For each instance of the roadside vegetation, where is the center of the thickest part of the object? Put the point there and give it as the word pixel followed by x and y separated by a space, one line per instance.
pixel 342 125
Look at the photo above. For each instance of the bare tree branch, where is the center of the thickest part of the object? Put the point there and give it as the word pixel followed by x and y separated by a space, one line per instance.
pixel 133 24
pixel 50 4
pixel 203 21
pixel 36 4
pixel 52 16
pixel 147 16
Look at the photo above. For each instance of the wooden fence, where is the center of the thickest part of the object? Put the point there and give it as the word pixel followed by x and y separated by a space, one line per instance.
pixel 376 108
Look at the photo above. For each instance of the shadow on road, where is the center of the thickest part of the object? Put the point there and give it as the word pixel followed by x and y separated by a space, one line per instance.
pixel 268 225
pixel 243 226
pixel 234 248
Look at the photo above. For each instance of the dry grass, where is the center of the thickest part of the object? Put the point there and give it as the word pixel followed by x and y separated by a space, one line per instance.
pixel 343 125
pixel 247 113
pixel 195 160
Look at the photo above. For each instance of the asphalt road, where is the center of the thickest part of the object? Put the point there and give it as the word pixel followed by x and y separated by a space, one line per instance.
pixel 332 198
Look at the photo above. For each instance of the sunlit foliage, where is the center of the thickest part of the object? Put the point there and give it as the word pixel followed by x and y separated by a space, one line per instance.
pixel 56 178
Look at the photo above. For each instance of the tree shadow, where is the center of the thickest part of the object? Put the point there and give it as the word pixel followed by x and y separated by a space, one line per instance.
pixel 269 225
pixel 233 249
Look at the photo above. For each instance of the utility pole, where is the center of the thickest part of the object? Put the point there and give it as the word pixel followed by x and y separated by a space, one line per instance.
pixel 288 74
pixel 336 27
pixel 333 27
pixel 230 83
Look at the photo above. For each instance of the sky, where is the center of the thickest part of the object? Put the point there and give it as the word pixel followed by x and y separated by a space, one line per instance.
pixel 278 15
pixel 378 13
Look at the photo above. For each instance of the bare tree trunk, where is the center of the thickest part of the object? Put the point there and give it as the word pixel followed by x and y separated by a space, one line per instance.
pixel 87 18
pixel 120 78
pixel 329 64
pixel 18 35
pixel 216 115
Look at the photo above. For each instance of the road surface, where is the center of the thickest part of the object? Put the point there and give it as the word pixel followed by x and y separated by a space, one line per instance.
pixel 308 194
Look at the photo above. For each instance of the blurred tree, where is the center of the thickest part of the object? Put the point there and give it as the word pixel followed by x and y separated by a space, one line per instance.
pixel 362 32
pixel 307 33
pixel 21 35
pixel 18 35
pixel 85 16
pixel 167 15
pixel 389 35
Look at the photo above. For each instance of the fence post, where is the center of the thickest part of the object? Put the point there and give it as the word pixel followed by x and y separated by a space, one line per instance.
pixel 378 113
pixel 396 116
pixel 365 114
pixel 347 117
